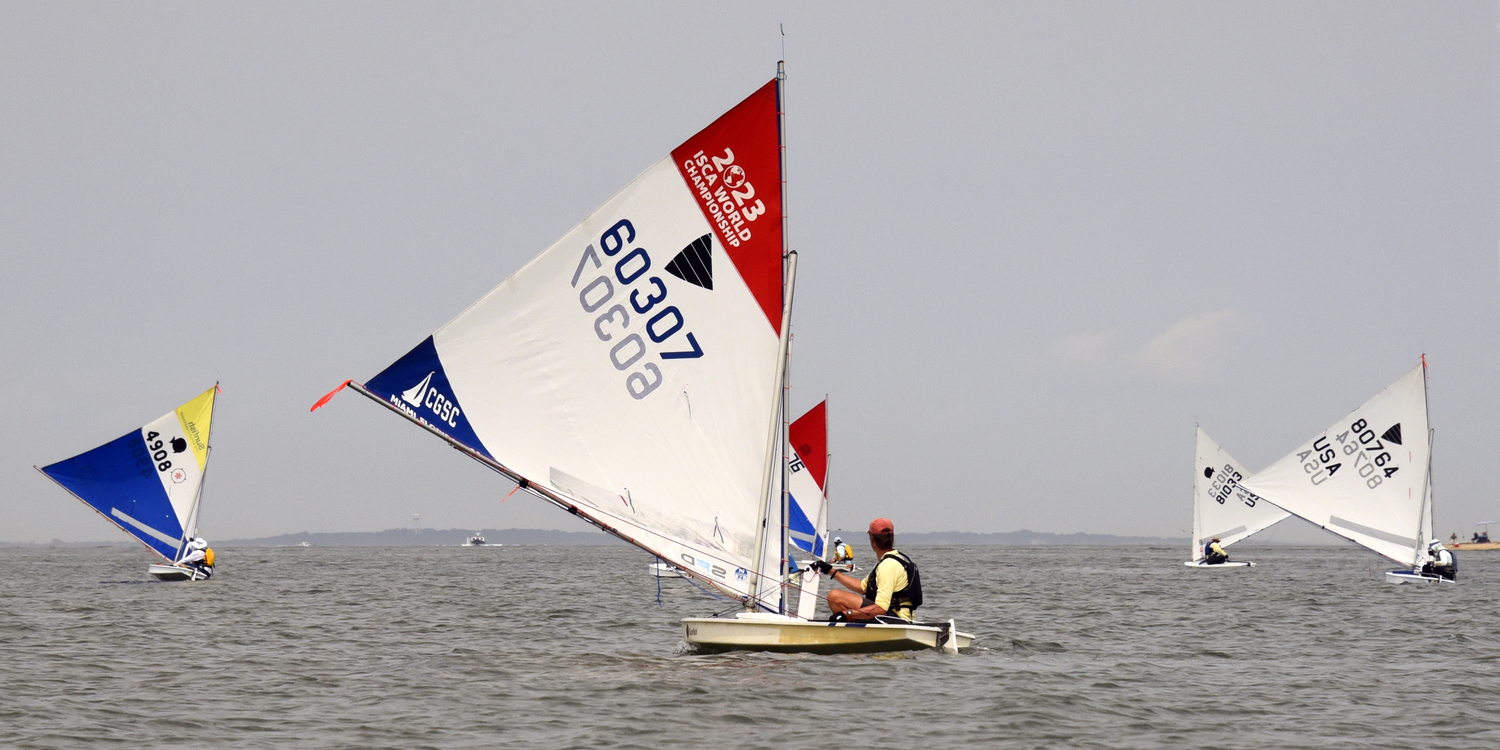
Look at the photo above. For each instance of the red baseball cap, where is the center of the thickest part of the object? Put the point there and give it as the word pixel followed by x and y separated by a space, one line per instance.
pixel 882 526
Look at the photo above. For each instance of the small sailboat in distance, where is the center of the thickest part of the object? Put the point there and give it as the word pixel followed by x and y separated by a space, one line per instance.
pixel 149 482
pixel 1222 510
pixel 1367 478
pixel 633 373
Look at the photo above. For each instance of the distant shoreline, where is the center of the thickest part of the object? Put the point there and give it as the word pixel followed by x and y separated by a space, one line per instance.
pixel 534 537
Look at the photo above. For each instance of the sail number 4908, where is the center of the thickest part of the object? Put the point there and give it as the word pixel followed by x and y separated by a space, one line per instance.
pixel 615 320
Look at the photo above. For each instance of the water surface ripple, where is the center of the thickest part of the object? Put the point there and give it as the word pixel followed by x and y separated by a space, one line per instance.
pixel 450 647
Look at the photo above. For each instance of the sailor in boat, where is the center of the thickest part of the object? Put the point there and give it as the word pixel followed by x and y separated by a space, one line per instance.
pixel 199 557
pixel 892 590
pixel 842 552
pixel 1442 563
pixel 1213 554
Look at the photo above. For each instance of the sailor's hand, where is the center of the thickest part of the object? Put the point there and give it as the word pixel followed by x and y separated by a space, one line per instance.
pixel 822 566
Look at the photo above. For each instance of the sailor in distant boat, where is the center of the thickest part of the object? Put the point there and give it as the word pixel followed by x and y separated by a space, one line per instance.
pixel 842 552
pixel 1442 563
pixel 892 589
pixel 1213 554
pixel 199 557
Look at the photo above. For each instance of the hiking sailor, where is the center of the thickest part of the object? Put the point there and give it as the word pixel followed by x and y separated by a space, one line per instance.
pixel 1442 564
pixel 199 558
pixel 892 589
pixel 1213 554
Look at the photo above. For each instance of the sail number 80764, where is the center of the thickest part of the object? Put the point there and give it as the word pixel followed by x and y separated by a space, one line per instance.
pixel 612 323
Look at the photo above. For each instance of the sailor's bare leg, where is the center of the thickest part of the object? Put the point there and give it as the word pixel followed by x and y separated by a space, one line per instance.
pixel 840 600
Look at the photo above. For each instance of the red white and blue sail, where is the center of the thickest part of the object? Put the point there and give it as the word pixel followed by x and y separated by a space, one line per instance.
pixel 148 481
pixel 807 501
pixel 630 372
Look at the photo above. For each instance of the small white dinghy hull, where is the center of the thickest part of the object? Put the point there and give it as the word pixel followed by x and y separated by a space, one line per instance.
pixel 1229 564
pixel 665 570
pixel 760 631
pixel 1412 576
pixel 174 573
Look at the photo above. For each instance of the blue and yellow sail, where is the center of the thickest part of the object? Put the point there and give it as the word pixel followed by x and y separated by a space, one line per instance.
pixel 147 482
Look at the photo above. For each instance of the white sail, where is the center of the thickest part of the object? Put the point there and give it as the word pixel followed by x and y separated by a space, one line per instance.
pixel 1221 508
pixel 1365 478
pixel 630 372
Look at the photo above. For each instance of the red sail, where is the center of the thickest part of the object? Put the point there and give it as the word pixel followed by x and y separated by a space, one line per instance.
pixel 809 436
pixel 733 168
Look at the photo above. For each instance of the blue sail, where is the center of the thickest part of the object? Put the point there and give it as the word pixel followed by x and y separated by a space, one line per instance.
pixel 803 533
pixel 119 480
pixel 147 481
pixel 417 385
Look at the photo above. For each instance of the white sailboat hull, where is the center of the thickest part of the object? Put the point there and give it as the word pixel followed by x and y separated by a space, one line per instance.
pixel 1230 564
pixel 174 573
pixel 1411 576
pixel 768 632
pixel 665 570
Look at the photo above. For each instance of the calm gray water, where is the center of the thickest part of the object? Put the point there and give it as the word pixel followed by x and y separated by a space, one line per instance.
pixel 565 647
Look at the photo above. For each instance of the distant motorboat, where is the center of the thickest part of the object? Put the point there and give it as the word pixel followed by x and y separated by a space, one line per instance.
pixel 478 541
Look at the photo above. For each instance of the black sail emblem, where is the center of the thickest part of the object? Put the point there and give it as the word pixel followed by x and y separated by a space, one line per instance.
pixel 695 263
pixel 1392 435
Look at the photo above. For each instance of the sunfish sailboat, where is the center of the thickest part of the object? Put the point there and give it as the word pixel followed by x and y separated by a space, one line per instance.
pixel 149 482
pixel 1367 478
pixel 805 536
pixel 1221 508
pixel 632 373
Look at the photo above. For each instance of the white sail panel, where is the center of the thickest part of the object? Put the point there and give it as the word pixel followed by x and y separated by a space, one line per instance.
pixel 1221 508
pixel 630 370
pixel 670 446
pixel 1365 477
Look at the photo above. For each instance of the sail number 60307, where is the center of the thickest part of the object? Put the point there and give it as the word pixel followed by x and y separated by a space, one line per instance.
pixel 615 320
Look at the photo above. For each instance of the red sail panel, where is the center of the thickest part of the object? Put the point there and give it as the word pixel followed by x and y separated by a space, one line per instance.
pixel 809 436
pixel 733 168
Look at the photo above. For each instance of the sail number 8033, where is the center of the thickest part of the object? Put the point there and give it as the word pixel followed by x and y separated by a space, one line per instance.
pixel 612 323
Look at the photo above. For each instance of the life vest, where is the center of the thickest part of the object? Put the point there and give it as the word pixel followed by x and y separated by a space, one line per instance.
pixel 1451 569
pixel 908 598
pixel 208 557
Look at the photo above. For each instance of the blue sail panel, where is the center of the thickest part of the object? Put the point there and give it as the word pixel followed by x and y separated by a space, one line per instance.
pixel 801 527
pixel 417 385
pixel 119 480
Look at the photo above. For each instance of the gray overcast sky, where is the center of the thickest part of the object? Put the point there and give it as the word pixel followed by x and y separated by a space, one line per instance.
pixel 1039 241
